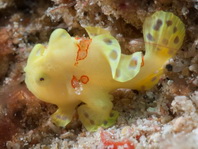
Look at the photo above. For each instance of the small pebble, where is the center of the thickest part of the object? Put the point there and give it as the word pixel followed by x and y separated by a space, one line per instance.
pixel 169 67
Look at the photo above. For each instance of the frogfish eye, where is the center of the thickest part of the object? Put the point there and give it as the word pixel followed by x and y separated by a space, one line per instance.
pixel 41 79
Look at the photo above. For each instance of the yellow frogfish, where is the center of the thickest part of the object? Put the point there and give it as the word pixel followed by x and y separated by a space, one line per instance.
pixel 79 73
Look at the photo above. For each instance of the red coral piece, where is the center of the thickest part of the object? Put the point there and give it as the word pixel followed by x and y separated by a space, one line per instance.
pixel 106 139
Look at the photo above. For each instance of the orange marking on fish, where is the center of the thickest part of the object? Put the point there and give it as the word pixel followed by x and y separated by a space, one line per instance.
pixel 83 47
pixel 74 82
pixel 84 79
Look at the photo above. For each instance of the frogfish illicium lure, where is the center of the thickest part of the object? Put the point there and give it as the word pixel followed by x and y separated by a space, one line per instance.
pixel 70 70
